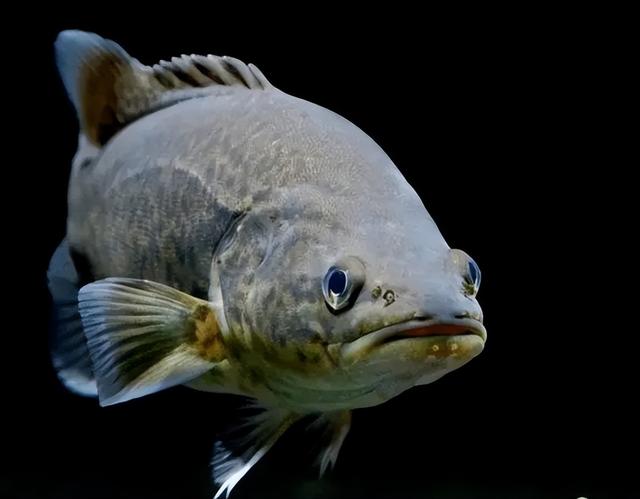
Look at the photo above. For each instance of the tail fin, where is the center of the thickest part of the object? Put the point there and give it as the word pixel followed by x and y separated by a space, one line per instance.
pixel 110 89
pixel 68 345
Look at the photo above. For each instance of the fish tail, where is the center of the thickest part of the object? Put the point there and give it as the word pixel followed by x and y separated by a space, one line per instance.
pixel 68 347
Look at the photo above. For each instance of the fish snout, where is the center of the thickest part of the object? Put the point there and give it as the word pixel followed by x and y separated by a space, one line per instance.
pixel 454 313
pixel 449 307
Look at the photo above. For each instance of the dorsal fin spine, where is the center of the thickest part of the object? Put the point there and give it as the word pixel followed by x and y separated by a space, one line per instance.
pixel 110 89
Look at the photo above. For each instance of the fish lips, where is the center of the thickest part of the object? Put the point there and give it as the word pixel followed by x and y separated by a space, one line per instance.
pixel 413 329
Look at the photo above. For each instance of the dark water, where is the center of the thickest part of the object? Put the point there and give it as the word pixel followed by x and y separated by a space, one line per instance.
pixel 485 121
pixel 426 444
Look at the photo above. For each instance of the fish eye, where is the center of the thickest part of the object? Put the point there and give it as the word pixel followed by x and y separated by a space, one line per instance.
pixel 342 283
pixel 338 280
pixel 473 276
pixel 335 288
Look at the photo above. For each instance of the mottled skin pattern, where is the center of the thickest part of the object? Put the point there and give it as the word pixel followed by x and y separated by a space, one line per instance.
pixel 249 196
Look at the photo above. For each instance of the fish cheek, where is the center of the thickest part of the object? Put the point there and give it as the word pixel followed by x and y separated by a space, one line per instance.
pixel 273 308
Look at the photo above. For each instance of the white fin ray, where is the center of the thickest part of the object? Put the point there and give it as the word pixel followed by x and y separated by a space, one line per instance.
pixel 233 460
pixel 335 426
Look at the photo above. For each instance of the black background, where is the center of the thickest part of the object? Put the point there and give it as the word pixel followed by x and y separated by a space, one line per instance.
pixel 491 122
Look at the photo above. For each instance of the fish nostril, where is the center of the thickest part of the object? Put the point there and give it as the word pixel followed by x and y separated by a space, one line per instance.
pixel 469 315
pixel 422 317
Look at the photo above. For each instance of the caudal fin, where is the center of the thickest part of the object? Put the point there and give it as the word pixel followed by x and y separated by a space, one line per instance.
pixel 69 351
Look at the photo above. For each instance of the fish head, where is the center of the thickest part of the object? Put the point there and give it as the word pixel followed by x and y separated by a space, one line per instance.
pixel 417 318
pixel 408 312
pixel 370 299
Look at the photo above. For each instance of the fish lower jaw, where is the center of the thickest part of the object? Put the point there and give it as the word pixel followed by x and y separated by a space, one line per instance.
pixel 386 371
pixel 424 331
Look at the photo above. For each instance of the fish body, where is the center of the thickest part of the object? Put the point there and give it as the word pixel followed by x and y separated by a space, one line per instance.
pixel 225 235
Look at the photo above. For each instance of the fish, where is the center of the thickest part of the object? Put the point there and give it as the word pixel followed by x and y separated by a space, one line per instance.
pixel 226 236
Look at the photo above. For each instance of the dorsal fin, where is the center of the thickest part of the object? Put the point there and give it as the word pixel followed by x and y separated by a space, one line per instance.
pixel 203 71
pixel 110 89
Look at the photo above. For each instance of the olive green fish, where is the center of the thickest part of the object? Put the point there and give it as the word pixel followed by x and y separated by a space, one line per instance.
pixel 229 237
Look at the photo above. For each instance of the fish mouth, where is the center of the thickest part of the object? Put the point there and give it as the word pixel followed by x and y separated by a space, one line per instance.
pixel 413 329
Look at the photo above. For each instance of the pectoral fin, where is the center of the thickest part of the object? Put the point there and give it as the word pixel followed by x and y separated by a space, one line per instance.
pixel 144 337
